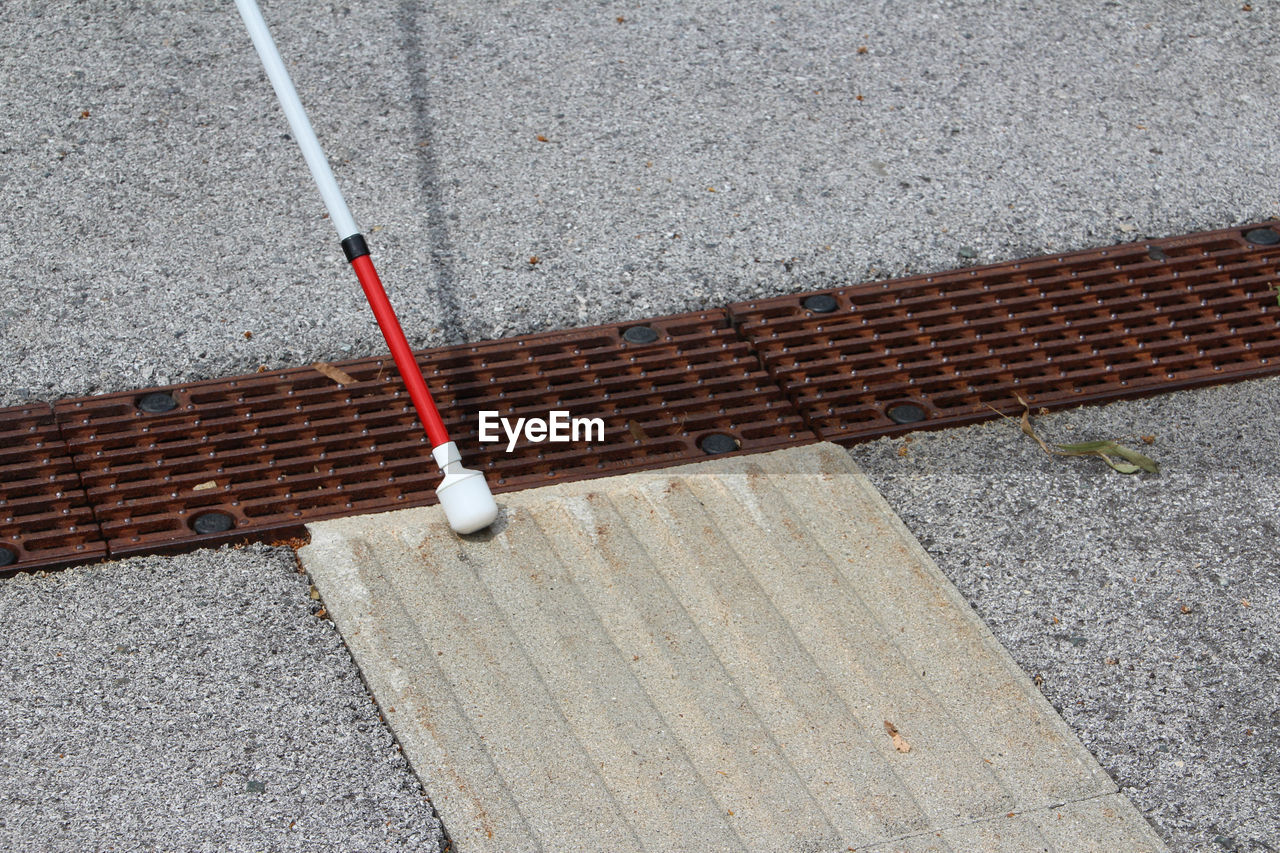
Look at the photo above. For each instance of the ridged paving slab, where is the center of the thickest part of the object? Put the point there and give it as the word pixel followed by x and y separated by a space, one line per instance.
pixel 709 657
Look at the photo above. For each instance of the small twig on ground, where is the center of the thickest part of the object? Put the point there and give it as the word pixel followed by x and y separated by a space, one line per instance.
pixel 337 374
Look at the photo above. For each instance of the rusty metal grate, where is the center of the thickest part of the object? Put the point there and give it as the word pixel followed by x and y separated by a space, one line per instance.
pixel 938 350
pixel 268 452
pixel 45 521
pixel 256 457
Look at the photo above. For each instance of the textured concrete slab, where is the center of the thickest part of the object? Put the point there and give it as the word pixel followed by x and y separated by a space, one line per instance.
pixel 712 657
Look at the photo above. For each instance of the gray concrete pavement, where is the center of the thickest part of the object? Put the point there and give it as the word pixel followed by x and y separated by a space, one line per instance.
pixel 155 211
pixel 191 703
pixel 153 214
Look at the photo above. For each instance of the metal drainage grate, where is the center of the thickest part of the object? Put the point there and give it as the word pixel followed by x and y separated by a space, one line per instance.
pixel 45 521
pixel 937 350
pixel 258 456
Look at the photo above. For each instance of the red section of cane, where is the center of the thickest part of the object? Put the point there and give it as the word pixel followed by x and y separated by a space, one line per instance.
pixel 400 352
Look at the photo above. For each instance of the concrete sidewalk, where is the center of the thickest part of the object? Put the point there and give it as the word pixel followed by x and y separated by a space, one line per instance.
pixel 191 703
pixel 744 654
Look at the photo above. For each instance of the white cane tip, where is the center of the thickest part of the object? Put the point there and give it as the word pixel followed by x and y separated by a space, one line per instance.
pixel 468 504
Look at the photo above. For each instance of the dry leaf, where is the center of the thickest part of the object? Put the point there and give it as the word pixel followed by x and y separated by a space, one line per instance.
pixel 542 138
pixel 336 374
pixel 899 742
pixel 636 432
pixel 208 484
pixel 902 451
pixel 1132 463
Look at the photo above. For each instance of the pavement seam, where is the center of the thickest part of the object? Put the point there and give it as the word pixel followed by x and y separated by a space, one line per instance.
pixel 79 472
pixel 788 390
pixel 996 817
pixel 295 546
